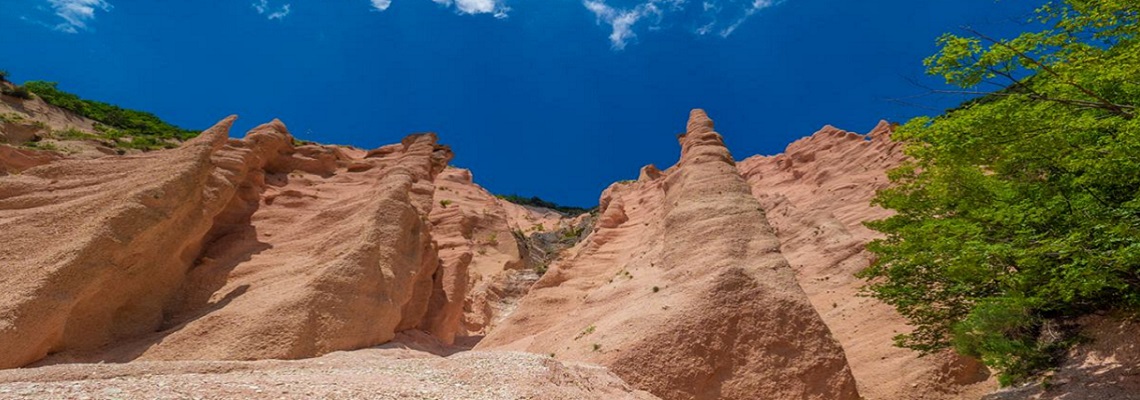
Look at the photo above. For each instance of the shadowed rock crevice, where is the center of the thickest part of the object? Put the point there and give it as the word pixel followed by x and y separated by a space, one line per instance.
pixel 491 252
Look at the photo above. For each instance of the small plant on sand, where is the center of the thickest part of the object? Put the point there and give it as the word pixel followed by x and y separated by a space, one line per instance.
pixel 73 134
pixel 492 240
pixel 597 347
pixel 42 146
pixel 573 232
pixel 444 203
pixel 656 289
pixel 585 332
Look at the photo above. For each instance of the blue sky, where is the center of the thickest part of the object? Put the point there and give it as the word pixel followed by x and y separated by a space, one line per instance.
pixel 555 98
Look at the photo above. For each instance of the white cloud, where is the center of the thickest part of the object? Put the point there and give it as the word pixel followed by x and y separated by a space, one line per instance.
pixel 263 7
pixel 279 14
pixel 622 21
pixel 708 15
pixel 497 8
pixel 76 13
pixel 381 5
pixel 756 6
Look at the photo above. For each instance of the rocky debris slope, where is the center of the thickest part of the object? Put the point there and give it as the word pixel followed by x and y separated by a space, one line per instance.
pixel 817 194
pixel 220 249
pixel 682 291
pixel 490 252
pixel 386 373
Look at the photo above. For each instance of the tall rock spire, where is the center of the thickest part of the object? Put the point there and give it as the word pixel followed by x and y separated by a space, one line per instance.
pixel 686 296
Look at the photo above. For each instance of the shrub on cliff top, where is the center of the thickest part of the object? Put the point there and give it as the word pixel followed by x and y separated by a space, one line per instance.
pixel 146 129
pixel 538 202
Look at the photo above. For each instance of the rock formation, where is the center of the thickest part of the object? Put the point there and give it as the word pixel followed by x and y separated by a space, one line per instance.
pixel 221 249
pixel 710 279
pixel 817 194
pixel 682 291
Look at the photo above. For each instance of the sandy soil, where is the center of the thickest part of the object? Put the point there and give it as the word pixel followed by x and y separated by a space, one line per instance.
pixel 389 373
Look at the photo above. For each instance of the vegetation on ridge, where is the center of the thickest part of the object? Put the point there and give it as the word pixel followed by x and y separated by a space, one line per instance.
pixel 535 201
pixel 144 130
pixel 1021 212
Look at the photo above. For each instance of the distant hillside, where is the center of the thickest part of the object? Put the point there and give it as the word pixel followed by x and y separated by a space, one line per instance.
pixel 39 115
pixel 535 201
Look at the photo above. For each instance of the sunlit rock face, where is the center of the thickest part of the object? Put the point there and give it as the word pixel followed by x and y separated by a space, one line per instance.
pixel 682 291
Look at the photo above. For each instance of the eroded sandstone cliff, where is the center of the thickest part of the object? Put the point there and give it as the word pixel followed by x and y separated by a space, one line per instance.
pixel 709 279
pixel 817 194
pixel 682 291
pixel 220 249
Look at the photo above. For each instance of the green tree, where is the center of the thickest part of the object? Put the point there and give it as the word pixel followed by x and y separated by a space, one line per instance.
pixel 1020 209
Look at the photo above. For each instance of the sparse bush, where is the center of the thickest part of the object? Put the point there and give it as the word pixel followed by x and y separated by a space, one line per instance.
pixel 20 92
pixel 3 75
pixel 541 269
pixel 41 146
pixel 585 332
pixel 73 134
pixel 444 203
pixel 573 232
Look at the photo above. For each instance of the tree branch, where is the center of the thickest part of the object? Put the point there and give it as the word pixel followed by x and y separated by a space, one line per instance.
pixel 1035 96
pixel 1106 104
